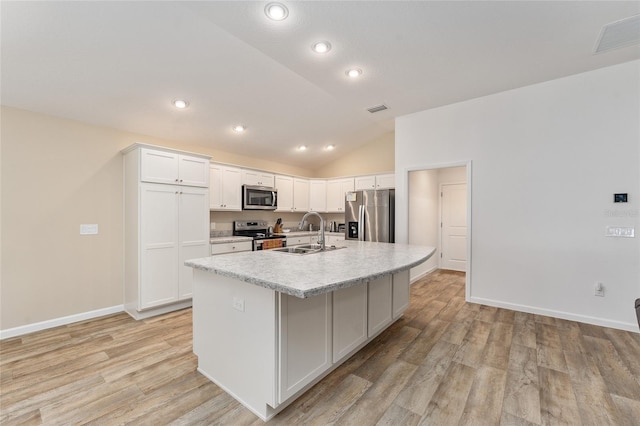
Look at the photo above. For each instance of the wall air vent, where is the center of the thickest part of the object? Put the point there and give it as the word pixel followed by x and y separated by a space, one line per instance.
pixel 377 108
pixel 622 33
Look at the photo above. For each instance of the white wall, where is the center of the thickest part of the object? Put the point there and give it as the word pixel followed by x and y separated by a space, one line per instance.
pixel 546 160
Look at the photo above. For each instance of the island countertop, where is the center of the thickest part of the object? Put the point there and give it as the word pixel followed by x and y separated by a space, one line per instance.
pixel 313 274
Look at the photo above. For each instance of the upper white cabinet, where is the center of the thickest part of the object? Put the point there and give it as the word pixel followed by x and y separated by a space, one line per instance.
pixel 257 178
pixel 284 186
pixel 318 195
pixel 293 194
pixel 165 223
pixel 336 190
pixel 226 188
pixel 300 195
pixel 169 167
pixel 387 180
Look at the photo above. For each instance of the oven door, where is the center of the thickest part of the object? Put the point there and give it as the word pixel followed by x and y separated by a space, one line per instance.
pixel 259 198
pixel 269 243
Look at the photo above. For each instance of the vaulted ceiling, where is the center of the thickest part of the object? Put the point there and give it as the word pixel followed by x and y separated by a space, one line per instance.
pixel 121 64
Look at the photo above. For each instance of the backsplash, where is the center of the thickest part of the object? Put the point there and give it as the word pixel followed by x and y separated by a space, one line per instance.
pixel 224 220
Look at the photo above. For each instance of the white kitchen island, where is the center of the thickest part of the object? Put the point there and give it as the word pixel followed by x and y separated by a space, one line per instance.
pixel 268 325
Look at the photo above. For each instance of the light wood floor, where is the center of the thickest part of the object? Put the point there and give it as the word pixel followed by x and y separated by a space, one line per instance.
pixel 446 362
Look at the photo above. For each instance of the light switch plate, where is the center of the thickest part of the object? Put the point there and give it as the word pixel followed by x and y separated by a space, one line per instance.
pixel 238 304
pixel 89 229
pixel 620 231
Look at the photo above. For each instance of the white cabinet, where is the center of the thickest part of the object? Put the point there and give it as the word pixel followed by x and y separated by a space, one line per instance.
pixel 226 188
pixel 169 167
pixel 235 247
pixel 305 341
pixel 380 305
pixel 349 320
pixel 336 190
pixel 284 186
pixel 387 180
pixel 318 195
pixel 300 195
pixel 333 240
pixel 164 225
pixel 400 293
pixel 296 241
pixel 257 178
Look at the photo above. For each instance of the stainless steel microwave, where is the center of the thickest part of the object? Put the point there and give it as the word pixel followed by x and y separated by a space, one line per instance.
pixel 259 198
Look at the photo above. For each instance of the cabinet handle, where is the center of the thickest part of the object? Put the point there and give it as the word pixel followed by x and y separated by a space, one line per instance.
pixel 176 179
pixel 176 192
pixel 180 180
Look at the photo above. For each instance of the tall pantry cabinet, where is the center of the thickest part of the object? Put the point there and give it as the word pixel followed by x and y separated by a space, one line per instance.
pixel 166 221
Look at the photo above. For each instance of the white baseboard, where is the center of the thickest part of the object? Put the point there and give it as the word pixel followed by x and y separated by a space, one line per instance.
pixel 56 322
pixel 424 274
pixel 619 325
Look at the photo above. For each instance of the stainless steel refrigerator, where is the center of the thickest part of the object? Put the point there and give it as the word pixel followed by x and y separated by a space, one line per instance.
pixel 370 215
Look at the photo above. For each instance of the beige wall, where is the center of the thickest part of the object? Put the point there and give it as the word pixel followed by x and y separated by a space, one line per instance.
pixel 377 156
pixel 55 175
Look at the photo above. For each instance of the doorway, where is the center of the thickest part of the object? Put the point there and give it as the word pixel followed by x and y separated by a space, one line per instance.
pixel 438 216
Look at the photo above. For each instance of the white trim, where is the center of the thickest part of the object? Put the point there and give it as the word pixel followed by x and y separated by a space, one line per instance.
pixel 602 322
pixel 56 322
pixel 422 275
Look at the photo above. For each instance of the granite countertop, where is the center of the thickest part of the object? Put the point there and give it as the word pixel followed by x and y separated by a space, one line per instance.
pixel 229 239
pixel 313 274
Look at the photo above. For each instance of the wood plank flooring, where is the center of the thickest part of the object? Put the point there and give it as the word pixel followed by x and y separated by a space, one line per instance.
pixel 446 362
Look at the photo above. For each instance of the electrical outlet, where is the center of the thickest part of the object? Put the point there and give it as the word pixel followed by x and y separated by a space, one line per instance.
pixel 238 304
pixel 89 229
pixel 599 290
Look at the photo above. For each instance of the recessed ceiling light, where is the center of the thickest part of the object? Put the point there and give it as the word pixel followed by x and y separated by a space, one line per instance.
pixel 354 72
pixel 180 103
pixel 302 148
pixel 276 11
pixel 239 128
pixel 330 147
pixel 321 47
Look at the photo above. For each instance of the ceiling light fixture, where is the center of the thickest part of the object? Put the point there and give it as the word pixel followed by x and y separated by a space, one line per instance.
pixel 330 147
pixel 321 47
pixel 239 128
pixel 302 148
pixel 180 103
pixel 354 72
pixel 276 11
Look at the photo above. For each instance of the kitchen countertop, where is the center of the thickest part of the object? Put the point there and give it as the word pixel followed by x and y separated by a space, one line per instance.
pixel 229 239
pixel 318 273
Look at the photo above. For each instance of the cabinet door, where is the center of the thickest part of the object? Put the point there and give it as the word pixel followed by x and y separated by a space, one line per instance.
pixel 193 215
pixel 215 186
pixel 336 190
pixel 305 341
pixel 386 181
pixel 255 177
pixel 349 319
pixel 400 293
pixel 300 195
pixel 231 247
pixel 379 304
pixel 159 245
pixel 318 195
pixel 284 185
pixel 193 171
pixel 231 189
pixel 159 166
pixel 365 182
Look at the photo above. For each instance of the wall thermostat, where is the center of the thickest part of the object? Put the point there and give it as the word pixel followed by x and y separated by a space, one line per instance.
pixel 619 198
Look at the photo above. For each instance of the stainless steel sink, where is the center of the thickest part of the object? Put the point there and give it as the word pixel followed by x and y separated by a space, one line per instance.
pixel 306 249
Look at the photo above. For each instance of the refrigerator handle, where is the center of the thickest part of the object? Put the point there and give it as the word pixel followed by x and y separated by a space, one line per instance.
pixel 361 223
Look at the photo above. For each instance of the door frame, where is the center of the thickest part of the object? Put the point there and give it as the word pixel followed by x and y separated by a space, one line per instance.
pixel 404 176
pixel 440 234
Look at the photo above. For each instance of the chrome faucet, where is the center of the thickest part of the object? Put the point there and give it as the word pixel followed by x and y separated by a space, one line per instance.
pixel 301 226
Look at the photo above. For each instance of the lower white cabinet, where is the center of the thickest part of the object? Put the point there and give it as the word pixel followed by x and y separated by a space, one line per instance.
pixel 296 241
pixel 235 247
pixel 400 293
pixel 380 304
pixel 305 341
pixel 349 320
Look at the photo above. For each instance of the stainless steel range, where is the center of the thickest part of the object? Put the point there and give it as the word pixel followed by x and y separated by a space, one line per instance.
pixel 259 231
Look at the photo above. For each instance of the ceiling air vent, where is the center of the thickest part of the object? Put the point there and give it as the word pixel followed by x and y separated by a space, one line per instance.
pixel 622 33
pixel 377 108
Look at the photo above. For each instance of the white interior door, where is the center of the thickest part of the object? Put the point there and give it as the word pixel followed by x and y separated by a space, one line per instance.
pixel 453 236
